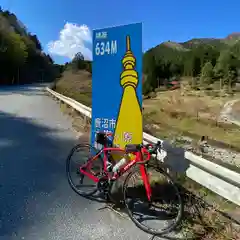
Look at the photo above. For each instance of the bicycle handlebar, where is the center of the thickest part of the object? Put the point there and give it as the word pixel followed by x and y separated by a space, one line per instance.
pixel 153 148
pixel 151 151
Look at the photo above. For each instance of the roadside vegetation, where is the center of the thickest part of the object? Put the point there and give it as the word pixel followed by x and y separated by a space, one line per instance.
pixel 185 112
pixel 21 57
pixel 207 215
pixel 75 81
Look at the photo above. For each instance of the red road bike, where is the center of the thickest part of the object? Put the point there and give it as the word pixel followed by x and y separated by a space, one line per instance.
pixel 154 187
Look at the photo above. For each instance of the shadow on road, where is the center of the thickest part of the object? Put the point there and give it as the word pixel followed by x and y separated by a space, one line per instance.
pixel 32 165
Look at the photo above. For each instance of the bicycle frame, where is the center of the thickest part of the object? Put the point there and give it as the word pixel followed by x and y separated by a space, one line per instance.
pixel 122 170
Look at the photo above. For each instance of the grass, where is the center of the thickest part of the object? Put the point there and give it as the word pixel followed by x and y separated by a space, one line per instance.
pixel 76 85
pixel 207 214
pixel 173 124
pixel 193 114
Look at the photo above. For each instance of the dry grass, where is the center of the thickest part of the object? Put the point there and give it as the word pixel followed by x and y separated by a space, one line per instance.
pixel 79 122
pixel 207 215
pixel 173 125
pixel 191 114
pixel 187 103
pixel 77 85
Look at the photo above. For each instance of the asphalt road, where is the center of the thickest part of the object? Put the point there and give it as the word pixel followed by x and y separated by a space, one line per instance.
pixel 36 202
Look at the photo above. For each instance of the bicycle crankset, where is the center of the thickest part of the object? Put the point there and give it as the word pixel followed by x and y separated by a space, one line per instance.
pixel 103 184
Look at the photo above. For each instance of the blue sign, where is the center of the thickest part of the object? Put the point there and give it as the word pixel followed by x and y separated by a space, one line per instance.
pixel 117 83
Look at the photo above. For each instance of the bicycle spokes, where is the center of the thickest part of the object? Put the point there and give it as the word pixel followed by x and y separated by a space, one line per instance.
pixel 152 200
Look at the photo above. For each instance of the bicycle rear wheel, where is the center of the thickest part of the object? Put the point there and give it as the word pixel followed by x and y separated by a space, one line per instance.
pixel 164 212
pixel 79 156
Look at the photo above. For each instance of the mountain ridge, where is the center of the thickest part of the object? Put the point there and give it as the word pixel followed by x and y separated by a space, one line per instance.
pixel 230 39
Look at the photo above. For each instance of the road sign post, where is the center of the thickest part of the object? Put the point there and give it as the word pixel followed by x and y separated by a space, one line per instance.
pixel 117 83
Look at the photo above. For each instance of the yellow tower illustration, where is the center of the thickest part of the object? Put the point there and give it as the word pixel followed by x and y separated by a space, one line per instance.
pixel 129 121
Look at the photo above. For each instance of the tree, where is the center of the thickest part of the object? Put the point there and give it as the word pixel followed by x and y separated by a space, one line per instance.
pixel 146 88
pixel 219 69
pixel 89 66
pixel 21 56
pixel 78 62
pixel 236 49
pixel 49 59
pixel 17 50
pixel 36 42
pixel 226 68
pixel 188 65
pixel 206 76
pixel 151 68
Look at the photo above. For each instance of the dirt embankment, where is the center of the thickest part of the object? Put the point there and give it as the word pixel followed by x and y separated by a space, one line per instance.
pixel 77 85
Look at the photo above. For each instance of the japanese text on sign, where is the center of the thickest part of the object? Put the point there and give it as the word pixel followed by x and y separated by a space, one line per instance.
pixel 101 35
pixel 108 126
pixel 105 123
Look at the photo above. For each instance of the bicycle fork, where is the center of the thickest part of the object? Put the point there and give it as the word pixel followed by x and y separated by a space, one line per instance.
pixel 146 181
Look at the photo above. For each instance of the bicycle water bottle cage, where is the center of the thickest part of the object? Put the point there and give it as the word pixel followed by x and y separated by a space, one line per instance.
pixel 132 148
pixel 101 138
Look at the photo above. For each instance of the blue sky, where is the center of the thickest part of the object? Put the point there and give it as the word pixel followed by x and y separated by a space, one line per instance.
pixel 162 20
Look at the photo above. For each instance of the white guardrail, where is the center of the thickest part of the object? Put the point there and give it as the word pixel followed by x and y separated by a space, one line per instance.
pixel 220 180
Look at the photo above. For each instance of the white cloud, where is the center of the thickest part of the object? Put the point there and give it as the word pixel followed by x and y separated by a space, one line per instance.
pixel 72 39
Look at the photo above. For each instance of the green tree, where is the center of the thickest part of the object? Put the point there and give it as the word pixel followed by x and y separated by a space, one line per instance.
pixel 89 66
pixel 236 49
pixel 21 56
pixel 78 62
pixel 35 40
pixel 146 88
pixel 206 76
pixel 150 68
pixel 17 50
pixel 226 68
pixel 219 69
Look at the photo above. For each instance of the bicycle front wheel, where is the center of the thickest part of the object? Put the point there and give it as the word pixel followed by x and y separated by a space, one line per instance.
pixel 163 212
pixel 79 156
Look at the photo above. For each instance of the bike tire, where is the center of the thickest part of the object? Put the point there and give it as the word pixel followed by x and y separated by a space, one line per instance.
pixel 80 147
pixel 139 224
